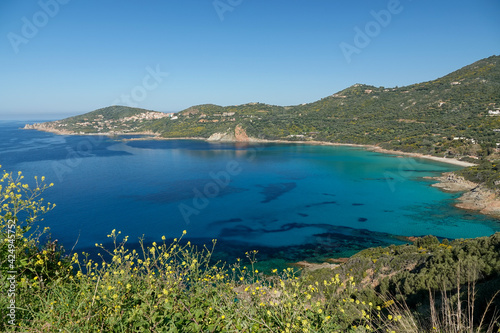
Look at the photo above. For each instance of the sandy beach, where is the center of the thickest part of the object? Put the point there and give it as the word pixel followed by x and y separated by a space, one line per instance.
pixel 428 157
pixel 258 140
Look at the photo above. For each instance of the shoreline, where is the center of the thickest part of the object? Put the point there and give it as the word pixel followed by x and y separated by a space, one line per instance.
pixel 467 201
pixel 427 157
pixel 378 149
pixel 474 197
pixel 374 148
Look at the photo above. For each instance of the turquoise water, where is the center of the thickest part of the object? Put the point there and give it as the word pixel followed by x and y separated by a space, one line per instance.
pixel 288 200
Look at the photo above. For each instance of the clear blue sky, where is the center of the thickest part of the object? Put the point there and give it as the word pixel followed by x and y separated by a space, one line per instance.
pixel 87 54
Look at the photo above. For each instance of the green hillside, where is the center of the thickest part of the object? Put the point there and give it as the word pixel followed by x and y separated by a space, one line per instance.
pixel 112 119
pixel 457 116
pixel 448 116
pixel 110 112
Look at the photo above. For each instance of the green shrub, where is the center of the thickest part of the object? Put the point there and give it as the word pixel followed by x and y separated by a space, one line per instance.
pixel 176 287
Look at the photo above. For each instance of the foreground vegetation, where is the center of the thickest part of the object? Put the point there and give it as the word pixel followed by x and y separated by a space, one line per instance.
pixel 176 287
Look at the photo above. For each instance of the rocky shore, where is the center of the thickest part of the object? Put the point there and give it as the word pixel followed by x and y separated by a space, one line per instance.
pixel 51 128
pixel 475 197
pixel 47 127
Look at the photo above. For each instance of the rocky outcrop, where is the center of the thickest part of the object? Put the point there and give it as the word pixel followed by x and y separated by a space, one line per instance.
pixel 30 127
pixel 451 182
pixel 482 199
pixel 222 137
pixel 239 135
pixel 38 126
pixel 475 197
pixel 47 127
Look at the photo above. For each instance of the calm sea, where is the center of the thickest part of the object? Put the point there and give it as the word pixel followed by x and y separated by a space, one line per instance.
pixel 290 201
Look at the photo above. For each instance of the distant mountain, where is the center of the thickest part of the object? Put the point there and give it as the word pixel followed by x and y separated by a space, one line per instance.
pixel 112 119
pixel 110 112
pixel 456 115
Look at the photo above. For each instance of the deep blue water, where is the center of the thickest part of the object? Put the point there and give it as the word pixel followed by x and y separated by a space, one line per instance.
pixel 291 201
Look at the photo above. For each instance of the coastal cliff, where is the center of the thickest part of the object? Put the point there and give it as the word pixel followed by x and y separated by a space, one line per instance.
pixel 239 135
pixel 475 197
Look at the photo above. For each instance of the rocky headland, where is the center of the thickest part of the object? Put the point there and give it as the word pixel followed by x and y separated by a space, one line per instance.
pixel 48 127
pixel 475 196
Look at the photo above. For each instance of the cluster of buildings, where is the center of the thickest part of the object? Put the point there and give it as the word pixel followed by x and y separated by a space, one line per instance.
pixel 100 124
pixel 224 116
pixel 150 115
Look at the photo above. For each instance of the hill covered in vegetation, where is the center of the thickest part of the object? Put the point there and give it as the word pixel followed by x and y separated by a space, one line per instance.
pixel 456 115
pixel 109 120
